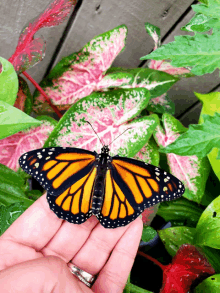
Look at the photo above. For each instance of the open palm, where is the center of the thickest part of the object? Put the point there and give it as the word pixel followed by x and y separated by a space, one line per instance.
pixel 36 248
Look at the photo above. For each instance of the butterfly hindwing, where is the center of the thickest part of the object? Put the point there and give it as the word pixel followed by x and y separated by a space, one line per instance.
pixel 57 168
pixel 132 186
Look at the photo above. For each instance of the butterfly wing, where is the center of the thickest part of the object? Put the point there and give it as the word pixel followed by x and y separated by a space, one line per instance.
pixel 68 175
pixel 132 186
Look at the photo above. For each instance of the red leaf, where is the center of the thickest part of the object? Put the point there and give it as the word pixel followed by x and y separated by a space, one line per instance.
pixel 187 266
pixel 29 51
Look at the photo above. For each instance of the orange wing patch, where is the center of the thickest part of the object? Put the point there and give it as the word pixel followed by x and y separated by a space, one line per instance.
pixel 78 196
pixel 115 205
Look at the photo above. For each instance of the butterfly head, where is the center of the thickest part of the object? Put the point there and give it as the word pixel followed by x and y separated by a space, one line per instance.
pixel 105 149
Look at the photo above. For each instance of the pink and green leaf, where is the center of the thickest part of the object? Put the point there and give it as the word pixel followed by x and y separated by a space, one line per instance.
pixel 30 51
pixel 191 170
pixel 154 32
pixel 8 82
pixel 157 82
pixel 109 113
pixel 149 153
pixel 161 104
pixel 12 147
pixel 79 74
pixel 24 98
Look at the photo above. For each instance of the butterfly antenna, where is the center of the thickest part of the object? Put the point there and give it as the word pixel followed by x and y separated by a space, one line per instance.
pixel 120 135
pixel 95 132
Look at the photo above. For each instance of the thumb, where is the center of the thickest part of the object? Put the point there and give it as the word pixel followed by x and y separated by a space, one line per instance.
pixel 43 275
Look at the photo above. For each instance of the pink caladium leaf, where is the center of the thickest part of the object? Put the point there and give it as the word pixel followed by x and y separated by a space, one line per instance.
pixel 29 51
pixel 163 65
pixel 12 147
pixel 191 170
pixel 79 74
pixel 149 153
pixel 187 266
pixel 109 113
pixel 23 101
pixel 161 104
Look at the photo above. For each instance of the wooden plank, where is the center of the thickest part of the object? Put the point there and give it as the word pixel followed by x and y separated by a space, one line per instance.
pixel 97 16
pixel 182 93
pixel 14 15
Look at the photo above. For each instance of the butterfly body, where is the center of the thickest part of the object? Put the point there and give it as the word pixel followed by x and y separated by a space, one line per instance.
pixel 81 183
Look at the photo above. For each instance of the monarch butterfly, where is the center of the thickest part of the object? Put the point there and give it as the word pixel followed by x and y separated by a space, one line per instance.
pixel 81 183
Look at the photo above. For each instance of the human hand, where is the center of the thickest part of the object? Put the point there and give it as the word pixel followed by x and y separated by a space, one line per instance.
pixel 36 248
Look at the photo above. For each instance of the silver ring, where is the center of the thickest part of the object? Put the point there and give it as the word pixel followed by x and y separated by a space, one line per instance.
pixel 83 276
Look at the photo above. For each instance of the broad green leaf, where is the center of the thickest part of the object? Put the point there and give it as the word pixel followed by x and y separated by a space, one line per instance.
pixel 191 170
pixel 157 82
pixel 211 105
pixel 13 120
pixel 200 52
pixel 180 210
pixel 79 74
pixel 148 233
pixel 208 227
pixel 108 112
pixel 212 9
pixel 199 23
pixel 174 237
pixel 199 140
pixel 8 82
pixel 209 285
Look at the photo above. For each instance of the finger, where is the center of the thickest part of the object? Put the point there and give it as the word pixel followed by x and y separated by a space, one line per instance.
pixel 42 275
pixel 35 227
pixel 94 254
pixel 113 276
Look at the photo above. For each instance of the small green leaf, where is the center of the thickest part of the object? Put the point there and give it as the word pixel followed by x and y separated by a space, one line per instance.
pixel 13 120
pixel 199 140
pixel 174 237
pixel 207 229
pixel 199 23
pixel 209 285
pixel 148 233
pixel 154 32
pixel 8 82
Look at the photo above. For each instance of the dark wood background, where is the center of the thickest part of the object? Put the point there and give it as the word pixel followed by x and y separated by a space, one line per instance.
pixel 93 17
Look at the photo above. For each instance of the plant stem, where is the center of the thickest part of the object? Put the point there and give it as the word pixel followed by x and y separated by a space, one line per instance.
pixel 152 259
pixel 42 92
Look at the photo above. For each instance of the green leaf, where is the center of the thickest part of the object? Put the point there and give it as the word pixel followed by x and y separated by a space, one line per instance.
pixel 154 32
pixel 207 229
pixel 209 285
pixel 161 104
pixel 199 23
pixel 148 233
pixel 212 9
pixel 199 140
pixel 13 120
pixel 200 52
pixel 211 105
pixel 10 214
pixel 180 210
pixel 8 82
pixel 156 81
pixel 135 289
pixel 174 237
pixel 213 256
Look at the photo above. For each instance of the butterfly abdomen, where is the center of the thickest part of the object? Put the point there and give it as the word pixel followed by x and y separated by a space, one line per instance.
pixel 99 186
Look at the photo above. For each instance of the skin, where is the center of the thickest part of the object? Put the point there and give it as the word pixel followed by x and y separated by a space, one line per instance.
pixel 35 250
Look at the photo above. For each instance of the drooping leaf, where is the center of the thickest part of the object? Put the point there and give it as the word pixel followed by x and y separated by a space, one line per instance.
pixel 200 52
pixel 207 229
pixel 191 170
pixel 174 237
pixel 199 140
pixel 211 105
pixel 8 82
pixel 12 147
pixel 108 113
pixel 79 74
pixel 13 120
pixel 30 51
pixel 24 98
